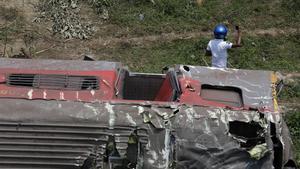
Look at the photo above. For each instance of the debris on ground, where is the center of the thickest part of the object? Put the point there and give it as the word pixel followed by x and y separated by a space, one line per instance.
pixel 101 7
pixel 65 17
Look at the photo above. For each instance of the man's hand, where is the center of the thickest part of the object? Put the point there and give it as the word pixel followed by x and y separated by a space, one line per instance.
pixel 238 38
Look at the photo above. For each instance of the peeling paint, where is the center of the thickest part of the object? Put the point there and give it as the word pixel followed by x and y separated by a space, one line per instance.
pixel 141 109
pixel 260 97
pixel 195 141
pixel 61 96
pixel 166 151
pixel 151 161
pixel 255 85
pixel 77 95
pixel 30 93
pixel 186 74
pixel 44 94
pixel 248 83
pixel 195 136
pixel 112 115
pixel 273 117
pixel 212 114
pixel 93 92
pixel 198 145
pixel 95 110
pixel 130 119
pixel 223 116
pixel 206 127
pixel 229 70
pixel 153 158
pixel 164 115
pixel 190 115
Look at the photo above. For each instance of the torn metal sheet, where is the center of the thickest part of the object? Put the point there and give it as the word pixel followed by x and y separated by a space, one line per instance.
pixel 97 115
pixel 255 85
pixel 181 137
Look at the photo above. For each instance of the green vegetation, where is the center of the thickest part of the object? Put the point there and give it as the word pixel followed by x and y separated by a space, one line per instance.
pixel 268 53
pixel 291 91
pixel 146 17
pixel 187 15
pixel 293 121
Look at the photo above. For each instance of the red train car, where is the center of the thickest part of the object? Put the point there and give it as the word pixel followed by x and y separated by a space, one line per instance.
pixel 59 114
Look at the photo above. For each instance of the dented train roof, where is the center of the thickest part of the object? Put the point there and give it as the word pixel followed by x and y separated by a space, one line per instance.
pixel 257 87
pixel 184 120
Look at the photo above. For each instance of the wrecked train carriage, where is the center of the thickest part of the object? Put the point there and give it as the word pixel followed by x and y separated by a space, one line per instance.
pixel 94 115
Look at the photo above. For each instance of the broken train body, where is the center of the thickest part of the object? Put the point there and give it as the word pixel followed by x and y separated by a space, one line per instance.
pixel 92 115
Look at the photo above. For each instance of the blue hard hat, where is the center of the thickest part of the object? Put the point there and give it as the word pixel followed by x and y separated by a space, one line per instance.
pixel 220 31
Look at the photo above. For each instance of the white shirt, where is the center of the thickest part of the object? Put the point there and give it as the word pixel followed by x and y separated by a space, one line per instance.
pixel 218 48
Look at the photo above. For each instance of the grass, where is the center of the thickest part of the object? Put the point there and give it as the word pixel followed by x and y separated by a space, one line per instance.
pixel 141 17
pixel 269 53
pixel 293 121
pixel 291 92
pixel 165 16
pixel 186 15
pixel 265 53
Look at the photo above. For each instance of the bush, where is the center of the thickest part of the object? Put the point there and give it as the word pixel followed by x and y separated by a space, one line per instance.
pixel 293 121
pixel 174 7
pixel 101 5
pixel 292 6
pixel 290 92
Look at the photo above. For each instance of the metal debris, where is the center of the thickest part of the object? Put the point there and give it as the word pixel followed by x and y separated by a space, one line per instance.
pixel 258 151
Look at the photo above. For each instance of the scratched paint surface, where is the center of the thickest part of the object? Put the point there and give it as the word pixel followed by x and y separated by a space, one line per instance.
pixel 186 133
pixel 178 136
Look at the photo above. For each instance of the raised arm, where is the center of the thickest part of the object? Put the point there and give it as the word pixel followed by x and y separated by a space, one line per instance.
pixel 238 38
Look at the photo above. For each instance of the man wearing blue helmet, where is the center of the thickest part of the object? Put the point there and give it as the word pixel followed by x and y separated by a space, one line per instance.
pixel 217 48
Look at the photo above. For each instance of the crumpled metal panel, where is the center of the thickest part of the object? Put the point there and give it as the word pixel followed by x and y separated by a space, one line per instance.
pixel 203 140
pixel 255 84
pixel 169 136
